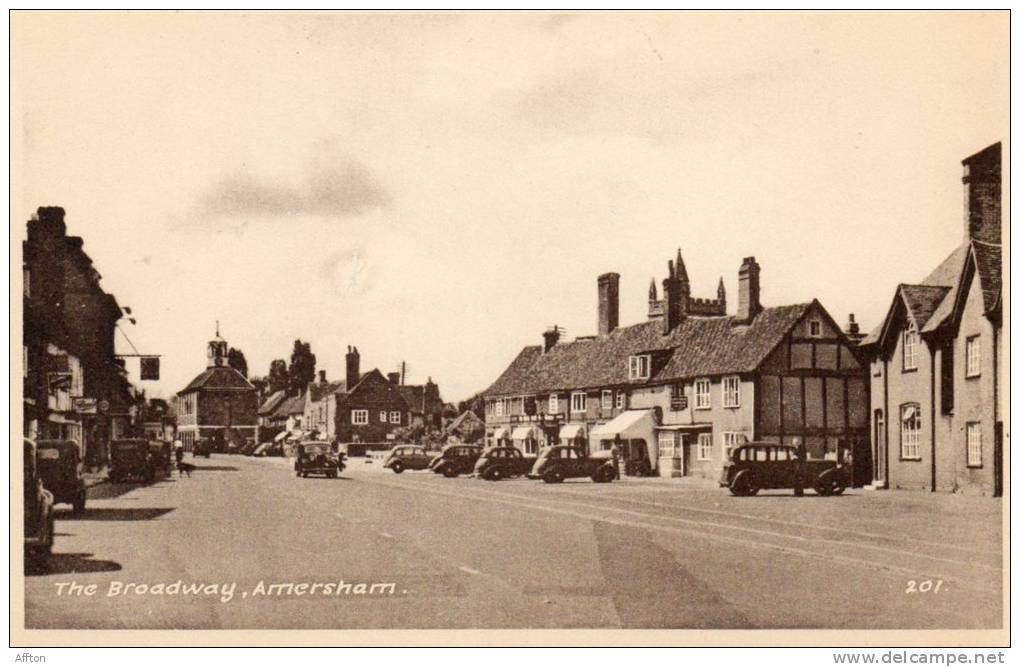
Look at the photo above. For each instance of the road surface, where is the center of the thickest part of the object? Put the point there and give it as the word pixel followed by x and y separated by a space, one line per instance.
pixel 244 543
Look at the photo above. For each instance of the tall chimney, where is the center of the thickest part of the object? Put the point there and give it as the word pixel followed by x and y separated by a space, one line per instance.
pixel 749 292
pixel 982 195
pixel 353 367
pixel 853 330
pixel 322 377
pixel 551 336
pixel 609 302
pixel 394 378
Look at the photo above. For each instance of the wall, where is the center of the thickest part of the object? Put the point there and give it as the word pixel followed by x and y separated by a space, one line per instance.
pixel 218 408
pixel 374 393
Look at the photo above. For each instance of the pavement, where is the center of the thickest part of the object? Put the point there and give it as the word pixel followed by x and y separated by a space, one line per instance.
pixel 244 543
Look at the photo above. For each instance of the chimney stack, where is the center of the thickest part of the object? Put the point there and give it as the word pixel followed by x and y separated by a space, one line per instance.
pixel 609 302
pixel 749 292
pixel 322 377
pixel 853 330
pixel 982 196
pixel 551 336
pixel 394 378
pixel 353 367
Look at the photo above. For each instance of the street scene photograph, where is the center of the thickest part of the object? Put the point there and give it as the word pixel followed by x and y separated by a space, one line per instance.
pixel 673 328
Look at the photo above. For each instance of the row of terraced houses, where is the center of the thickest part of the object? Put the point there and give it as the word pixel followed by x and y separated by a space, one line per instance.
pixel 915 404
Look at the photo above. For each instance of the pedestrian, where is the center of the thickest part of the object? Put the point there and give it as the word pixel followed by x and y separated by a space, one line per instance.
pixel 798 488
pixel 178 450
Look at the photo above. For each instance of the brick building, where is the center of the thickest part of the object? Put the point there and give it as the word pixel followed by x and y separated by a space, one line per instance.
pixel 936 358
pixel 369 408
pixel 219 405
pixel 74 385
pixel 677 392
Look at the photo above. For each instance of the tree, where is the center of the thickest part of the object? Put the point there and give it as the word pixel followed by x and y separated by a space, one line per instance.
pixel 302 366
pixel 236 360
pixel 279 378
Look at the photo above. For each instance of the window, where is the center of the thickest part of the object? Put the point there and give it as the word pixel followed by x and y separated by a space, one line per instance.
pixel 815 328
pixel 910 348
pixel 974 444
pixel 667 444
pixel 731 392
pixel 730 442
pixel 554 404
pixel 973 356
pixel 910 431
pixel 640 366
pixel 359 417
pixel 702 397
pixel 607 399
pixel 704 446
pixel 621 400
pixel 578 402
pixel 395 417
pixel 382 416
pixel 499 407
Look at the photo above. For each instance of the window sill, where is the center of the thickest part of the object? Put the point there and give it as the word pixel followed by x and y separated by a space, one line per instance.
pixel 915 459
pixel 702 407
pixel 909 370
pixel 975 466
pixel 972 377
pixel 732 407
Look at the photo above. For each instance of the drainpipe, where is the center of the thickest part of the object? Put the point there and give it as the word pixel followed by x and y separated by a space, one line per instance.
pixel 888 418
pixel 933 483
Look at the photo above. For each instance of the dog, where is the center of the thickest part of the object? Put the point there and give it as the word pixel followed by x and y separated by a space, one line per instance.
pixel 185 468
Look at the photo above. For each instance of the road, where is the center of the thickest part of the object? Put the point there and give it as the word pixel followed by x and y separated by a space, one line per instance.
pixel 466 553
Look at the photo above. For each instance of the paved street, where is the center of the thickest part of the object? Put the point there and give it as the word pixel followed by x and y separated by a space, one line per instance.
pixel 518 553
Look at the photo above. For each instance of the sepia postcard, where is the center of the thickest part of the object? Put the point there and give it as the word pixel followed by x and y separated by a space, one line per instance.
pixel 526 328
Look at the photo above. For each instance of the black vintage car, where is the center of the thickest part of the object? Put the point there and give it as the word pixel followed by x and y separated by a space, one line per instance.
pixel 456 460
pixel 201 448
pixel 498 463
pixel 317 458
pixel 561 462
pixel 161 452
pixel 768 465
pixel 60 468
pixel 39 524
pixel 131 459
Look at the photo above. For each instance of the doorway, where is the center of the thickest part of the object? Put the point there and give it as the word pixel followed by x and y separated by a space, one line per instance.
pixel 878 460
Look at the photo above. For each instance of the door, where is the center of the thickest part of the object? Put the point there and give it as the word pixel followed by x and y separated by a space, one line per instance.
pixel 879 449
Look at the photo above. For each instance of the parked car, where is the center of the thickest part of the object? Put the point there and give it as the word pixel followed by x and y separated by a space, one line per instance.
pixel 498 463
pixel 131 458
pixel 201 448
pixel 60 469
pixel 317 458
pixel 561 462
pixel 38 509
pixel 456 460
pixel 407 457
pixel 162 456
pixel 768 465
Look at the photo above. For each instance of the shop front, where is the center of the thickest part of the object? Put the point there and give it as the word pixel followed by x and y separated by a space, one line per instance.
pixel 676 445
pixel 632 433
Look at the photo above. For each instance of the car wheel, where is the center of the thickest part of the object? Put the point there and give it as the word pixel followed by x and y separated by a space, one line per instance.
pixel 495 474
pixel 449 471
pixel 552 477
pixel 79 502
pixel 828 484
pixel 740 485
pixel 397 467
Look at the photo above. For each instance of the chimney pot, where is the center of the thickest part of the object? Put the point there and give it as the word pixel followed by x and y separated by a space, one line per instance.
pixel 353 368
pixel 749 292
pixel 552 336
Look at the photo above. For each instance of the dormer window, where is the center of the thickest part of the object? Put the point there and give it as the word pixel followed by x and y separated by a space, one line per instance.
pixel 640 366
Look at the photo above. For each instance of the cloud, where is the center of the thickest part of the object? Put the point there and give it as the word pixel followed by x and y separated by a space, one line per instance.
pixel 333 185
pixel 348 272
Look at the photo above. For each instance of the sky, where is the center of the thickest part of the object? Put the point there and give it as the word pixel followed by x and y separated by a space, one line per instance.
pixel 438 189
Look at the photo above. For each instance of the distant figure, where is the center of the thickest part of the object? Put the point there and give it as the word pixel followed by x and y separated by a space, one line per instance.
pixel 798 489
pixel 178 450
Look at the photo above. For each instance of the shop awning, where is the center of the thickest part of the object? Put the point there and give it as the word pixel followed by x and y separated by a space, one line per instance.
pixel 523 433
pixel 499 433
pixel 571 431
pixel 295 435
pixel 628 424
pixel 280 436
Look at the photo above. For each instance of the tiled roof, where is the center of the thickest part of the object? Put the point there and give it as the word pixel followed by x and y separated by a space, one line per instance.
pixel 293 405
pixel 318 391
pixel 697 346
pixel 218 377
pixel 988 261
pixel 466 416
pixel 272 402
pixel 923 300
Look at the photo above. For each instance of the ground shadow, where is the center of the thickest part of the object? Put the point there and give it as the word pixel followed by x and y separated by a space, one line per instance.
pixel 199 468
pixel 112 514
pixel 69 563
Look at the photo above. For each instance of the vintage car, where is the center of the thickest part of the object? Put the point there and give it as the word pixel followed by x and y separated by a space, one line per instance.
pixel 561 462
pixel 161 452
pixel 317 458
pixel 407 457
pixel 498 463
pixel 39 524
pixel 456 460
pixel 201 448
pixel 768 465
pixel 60 467
pixel 131 458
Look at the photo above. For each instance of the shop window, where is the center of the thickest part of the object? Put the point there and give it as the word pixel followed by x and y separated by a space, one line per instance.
pixel 667 444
